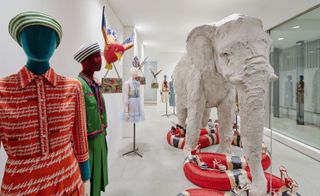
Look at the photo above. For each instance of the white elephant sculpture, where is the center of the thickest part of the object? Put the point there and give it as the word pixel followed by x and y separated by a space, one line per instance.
pixel 228 55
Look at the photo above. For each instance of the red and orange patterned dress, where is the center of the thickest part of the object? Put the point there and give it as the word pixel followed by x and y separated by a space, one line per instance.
pixel 43 131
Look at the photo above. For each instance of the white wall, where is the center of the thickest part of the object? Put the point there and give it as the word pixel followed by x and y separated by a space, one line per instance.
pixel 81 23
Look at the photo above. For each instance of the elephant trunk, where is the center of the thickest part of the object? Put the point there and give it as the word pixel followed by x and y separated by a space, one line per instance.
pixel 252 97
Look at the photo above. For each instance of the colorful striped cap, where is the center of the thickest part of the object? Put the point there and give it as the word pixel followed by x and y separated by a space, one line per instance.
pixel 86 50
pixel 33 18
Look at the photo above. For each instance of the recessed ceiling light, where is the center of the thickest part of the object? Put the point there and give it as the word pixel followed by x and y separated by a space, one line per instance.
pixel 296 27
pixel 281 38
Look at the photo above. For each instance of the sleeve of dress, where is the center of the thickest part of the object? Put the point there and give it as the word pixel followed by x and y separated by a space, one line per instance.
pixel 126 96
pixel 79 135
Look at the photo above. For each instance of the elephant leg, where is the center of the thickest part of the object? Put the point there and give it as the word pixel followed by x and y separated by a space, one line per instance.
pixel 225 116
pixel 252 124
pixel 195 114
pixel 205 118
pixel 196 107
pixel 182 114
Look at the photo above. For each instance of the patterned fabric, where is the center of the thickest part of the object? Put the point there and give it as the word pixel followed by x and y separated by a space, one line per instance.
pixel 95 106
pixel 132 103
pixel 33 18
pixel 43 131
pixel 86 50
pixel 96 129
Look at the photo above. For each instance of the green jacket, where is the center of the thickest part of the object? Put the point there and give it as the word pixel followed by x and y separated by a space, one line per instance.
pixel 95 120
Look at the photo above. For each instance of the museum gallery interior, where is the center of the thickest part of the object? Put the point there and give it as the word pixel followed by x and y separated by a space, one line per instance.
pixel 162 98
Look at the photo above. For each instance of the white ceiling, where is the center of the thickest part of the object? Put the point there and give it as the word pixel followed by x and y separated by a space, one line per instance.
pixel 309 29
pixel 164 24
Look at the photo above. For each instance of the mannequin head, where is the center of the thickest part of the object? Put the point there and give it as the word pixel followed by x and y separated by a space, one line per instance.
pixel 89 55
pixel 38 34
pixel 38 42
pixel 91 64
pixel 134 72
pixel 301 77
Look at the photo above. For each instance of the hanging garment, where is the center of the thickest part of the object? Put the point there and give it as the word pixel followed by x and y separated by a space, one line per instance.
pixel 43 131
pixel 96 131
pixel 172 97
pixel 132 105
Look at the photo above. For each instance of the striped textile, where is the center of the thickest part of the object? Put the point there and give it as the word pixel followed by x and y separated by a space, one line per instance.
pixel 86 50
pixel 43 131
pixel 33 18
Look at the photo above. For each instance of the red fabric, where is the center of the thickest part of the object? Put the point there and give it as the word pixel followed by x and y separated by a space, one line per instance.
pixel 43 131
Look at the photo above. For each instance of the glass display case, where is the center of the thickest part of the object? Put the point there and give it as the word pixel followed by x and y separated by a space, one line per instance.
pixel 295 97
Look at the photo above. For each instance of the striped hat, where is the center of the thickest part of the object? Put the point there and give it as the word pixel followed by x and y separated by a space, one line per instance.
pixel 86 50
pixel 33 18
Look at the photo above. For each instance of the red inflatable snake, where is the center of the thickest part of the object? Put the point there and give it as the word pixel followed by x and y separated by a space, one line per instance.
pixel 176 137
pixel 211 192
pixel 210 170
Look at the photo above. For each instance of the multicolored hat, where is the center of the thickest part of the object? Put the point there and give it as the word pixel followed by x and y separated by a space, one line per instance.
pixel 86 50
pixel 33 18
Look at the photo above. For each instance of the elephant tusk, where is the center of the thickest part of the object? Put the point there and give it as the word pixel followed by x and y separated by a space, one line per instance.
pixel 274 76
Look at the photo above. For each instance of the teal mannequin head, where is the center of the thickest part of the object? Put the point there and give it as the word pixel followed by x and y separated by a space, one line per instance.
pixel 38 43
pixel 38 34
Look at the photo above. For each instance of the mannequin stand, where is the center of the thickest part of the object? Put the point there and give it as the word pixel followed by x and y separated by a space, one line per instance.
pixel 166 114
pixel 134 143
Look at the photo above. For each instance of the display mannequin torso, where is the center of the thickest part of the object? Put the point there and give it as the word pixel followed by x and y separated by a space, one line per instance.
pixel 132 105
pixel 37 124
pixel 96 124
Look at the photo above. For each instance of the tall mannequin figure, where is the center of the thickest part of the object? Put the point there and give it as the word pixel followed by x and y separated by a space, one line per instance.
pixel 90 58
pixel 300 101
pixel 42 117
pixel 164 90
pixel 133 111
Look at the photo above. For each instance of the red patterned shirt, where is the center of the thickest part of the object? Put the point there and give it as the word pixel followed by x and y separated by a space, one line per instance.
pixel 43 131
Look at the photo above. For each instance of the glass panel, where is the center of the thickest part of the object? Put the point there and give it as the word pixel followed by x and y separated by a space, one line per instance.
pixel 296 96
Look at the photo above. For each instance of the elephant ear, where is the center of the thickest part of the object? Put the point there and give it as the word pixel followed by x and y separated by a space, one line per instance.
pixel 200 47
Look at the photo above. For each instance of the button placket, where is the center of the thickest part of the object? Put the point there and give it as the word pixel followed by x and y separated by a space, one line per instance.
pixel 43 126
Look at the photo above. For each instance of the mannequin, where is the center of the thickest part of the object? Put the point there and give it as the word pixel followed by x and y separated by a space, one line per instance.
pixel 164 90
pixel 300 101
pixel 38 140
pixel 90 58
pixel 133 111
pixel 132 106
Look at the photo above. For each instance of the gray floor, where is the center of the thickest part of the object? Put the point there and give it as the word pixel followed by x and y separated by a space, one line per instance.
pixel 308 134
pixel 159 172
